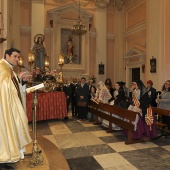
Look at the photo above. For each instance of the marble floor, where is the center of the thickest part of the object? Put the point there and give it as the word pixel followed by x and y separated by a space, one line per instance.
pixel 88 147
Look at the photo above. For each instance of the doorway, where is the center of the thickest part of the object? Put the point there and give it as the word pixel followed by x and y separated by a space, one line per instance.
pixel 135 74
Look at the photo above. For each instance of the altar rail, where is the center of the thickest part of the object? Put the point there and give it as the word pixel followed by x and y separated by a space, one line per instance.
pixel 125 122
pixel 51 105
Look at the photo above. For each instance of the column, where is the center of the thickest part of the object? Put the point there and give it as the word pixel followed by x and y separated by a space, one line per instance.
pixel 118 65
pixel 37 19
pixel 100 42
pixel 15 41
pixel 155 45
pixel 3 10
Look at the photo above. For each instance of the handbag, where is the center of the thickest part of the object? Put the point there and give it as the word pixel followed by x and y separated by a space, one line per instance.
pixel 81 104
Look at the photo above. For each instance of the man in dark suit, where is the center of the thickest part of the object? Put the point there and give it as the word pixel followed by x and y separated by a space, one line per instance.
pixel 67 91
pixel 82 95
pixel 73 87
pixel 152 94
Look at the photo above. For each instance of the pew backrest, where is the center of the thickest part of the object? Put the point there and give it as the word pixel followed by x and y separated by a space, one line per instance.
pixel 125 117
pixel 160 111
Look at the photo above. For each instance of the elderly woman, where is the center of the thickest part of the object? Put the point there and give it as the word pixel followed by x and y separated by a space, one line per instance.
pixel 102 95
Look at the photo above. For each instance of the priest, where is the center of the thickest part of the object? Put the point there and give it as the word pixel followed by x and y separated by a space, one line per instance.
pixel 14 131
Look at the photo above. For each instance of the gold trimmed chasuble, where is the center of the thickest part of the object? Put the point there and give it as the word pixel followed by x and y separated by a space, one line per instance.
pixel 14 131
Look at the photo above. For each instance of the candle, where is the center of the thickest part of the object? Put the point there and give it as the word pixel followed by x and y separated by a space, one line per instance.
pixel 60 59
pixel 32 57
pixel 29 57
pixel 46 63
pixel 20 63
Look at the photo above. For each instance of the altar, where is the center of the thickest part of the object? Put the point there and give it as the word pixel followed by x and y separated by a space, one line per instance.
pixel 51 105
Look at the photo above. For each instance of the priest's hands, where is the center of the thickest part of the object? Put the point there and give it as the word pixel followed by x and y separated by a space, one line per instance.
pixel 25 76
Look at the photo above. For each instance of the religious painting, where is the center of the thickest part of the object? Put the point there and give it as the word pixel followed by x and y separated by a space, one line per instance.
pixel 70 47
pixel 153 65
pixel 101 68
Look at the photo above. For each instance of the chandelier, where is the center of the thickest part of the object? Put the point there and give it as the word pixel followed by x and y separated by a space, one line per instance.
pixel 79 28
pixel 118 4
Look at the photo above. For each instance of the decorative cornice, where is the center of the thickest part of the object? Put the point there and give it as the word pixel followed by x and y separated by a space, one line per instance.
pixel 70 7
pixel 135 30
pixel 134 53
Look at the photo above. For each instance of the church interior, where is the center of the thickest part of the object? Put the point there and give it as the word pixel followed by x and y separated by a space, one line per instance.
pixel 124 40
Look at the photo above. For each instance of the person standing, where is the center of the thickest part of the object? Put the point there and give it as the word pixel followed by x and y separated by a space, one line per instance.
pixel 108 84
pixel 152 93
pixel 119 96
pixel 14 132
pixel 82 95
pixel 73 87
pixel 67 91
pixel 163 102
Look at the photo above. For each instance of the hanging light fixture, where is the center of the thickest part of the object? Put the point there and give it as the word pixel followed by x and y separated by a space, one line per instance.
pixel 2 28
pixel 79 28
pixel 119 4
pixel 98 3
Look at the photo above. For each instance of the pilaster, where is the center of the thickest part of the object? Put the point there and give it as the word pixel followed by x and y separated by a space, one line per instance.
pixel 100 42
pixel 37 19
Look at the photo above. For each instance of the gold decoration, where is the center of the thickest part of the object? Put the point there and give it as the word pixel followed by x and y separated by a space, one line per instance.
pixel 20 62
pixel 36 159
pixel 31 59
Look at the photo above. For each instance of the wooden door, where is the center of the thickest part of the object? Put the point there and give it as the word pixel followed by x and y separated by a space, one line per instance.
pixel 135 74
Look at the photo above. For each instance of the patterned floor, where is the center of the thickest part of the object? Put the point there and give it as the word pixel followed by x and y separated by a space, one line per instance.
pixel 88 147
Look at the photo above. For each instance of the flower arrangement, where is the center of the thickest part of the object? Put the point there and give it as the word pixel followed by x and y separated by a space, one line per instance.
pixel 40 76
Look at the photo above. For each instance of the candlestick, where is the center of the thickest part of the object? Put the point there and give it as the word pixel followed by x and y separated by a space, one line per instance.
pixel 31 59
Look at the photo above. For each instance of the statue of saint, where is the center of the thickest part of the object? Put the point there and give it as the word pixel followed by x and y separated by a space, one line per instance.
pixel 70 47
pixel 39 51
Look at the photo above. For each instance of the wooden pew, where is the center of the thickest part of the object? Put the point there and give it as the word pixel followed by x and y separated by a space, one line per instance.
pixel 161 126
pixel 99 109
